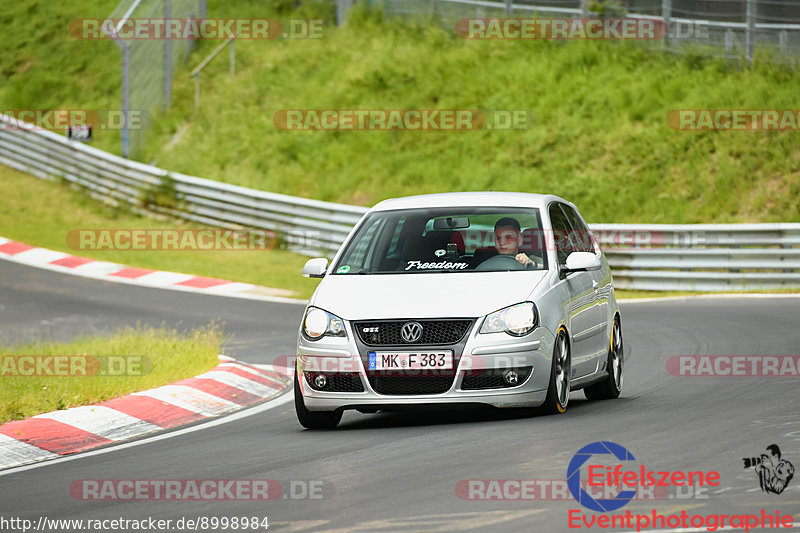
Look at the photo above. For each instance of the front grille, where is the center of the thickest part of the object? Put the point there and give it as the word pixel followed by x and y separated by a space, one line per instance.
pixel 340 382
pixel 434 332
pixel 405 385
pixel 493 379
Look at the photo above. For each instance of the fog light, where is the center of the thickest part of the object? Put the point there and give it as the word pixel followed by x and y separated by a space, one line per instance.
pixel 511 377
pixel 320 380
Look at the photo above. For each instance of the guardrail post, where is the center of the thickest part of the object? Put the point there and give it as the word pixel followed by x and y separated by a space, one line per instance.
pixel 233 58
pixel 783 42
pixel 125 137
pixel 666 14
pixel 751 29
pixel 167 57
pixel 197 92
pixel 509 7
pixel 584 9
pixel 341 11
pixel 728 41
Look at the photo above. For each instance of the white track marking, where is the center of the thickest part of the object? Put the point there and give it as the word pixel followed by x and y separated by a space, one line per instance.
pixel 286 398
pixel 239 382
pixel 40 255
pixel 14 452
pixel 248 369
pixel 164 278
pixel 99 270
pixel 190 399
pixel 102 421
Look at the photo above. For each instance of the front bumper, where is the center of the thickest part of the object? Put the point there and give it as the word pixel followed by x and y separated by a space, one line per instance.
pixel 482 353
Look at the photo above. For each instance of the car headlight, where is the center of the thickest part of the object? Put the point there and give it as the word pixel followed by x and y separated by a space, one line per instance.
pixel 516 320
pixel 318 323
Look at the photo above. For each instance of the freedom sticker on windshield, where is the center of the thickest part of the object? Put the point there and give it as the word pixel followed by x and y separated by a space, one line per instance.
pixel 443 265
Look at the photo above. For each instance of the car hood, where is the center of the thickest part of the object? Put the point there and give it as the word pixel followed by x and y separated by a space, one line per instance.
pixel 373 296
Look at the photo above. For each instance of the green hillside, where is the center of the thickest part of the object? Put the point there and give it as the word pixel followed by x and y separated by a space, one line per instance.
pixel 599 137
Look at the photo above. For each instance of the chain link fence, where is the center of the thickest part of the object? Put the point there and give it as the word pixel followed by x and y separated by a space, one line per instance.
pixel 725 28
pixel 148 64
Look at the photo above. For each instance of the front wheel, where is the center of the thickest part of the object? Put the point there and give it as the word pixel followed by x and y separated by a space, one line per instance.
pixel 560 370
pixel 609 388
pixel 313 419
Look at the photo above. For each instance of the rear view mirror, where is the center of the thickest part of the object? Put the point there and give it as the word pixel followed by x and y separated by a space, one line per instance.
pixel 582 262
pixel 315 268
pixel 451 223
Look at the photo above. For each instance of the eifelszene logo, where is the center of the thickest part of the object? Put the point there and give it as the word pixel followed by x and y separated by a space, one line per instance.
pixel 574 476
pixel 774 473
pixel 600 475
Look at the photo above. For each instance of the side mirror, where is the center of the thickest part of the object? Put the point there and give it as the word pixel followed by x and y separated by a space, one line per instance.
pixel 582 262
pixel 315 268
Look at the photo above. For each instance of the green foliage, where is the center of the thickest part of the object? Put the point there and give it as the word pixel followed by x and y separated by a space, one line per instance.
pixel 607 8
pixel 169 354
pixel 28 216
pixel 165 194
pixel 600 138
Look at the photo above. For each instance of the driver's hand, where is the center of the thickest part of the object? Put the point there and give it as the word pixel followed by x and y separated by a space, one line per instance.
pixel 524 259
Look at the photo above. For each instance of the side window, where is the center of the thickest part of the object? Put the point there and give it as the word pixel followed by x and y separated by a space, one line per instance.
pixel 583 238
pixel 561 233
pixel 360 257
pixel 394 249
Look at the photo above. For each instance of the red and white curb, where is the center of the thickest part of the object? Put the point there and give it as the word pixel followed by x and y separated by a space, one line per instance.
pixel 228 387
pixel 89 268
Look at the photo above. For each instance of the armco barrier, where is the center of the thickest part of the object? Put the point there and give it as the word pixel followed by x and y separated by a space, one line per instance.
pixel 309 225
pixel 707 257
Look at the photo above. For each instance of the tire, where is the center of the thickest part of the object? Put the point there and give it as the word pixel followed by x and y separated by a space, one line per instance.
pixel 560 371
pixel 313 419
pixel 609 388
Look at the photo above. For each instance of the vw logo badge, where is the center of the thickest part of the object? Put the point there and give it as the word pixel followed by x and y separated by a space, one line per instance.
pixel 411 332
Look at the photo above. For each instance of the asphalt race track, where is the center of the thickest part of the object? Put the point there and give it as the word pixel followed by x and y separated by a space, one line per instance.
pixel 399 471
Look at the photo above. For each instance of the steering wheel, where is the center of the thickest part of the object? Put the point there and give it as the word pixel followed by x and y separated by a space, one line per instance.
pixel 501 262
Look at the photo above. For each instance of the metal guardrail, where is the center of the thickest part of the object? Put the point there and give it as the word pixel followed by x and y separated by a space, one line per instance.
pixel 308 226
pixel 707 257
pixel 702 257
pixel 726 28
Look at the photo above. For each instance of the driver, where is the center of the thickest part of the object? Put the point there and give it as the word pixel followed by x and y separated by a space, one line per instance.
pixel 508 239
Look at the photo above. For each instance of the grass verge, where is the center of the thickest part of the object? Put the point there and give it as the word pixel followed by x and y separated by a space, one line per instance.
pixel 637 294
pixel 28 217
pixel 41 213
pixel 600 137
pixel 131 359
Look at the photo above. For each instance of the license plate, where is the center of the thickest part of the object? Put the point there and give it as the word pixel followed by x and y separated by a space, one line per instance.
pixel 439 360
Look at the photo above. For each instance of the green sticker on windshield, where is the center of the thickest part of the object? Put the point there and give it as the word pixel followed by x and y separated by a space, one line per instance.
pixel 343 269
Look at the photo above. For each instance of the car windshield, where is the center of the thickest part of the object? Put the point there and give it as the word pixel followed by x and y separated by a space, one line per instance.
pixel 473 239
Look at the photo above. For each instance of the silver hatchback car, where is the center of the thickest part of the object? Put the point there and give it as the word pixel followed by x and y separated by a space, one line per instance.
pixel 500 299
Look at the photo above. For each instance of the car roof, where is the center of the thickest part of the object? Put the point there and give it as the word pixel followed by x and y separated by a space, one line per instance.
pixel 470 199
